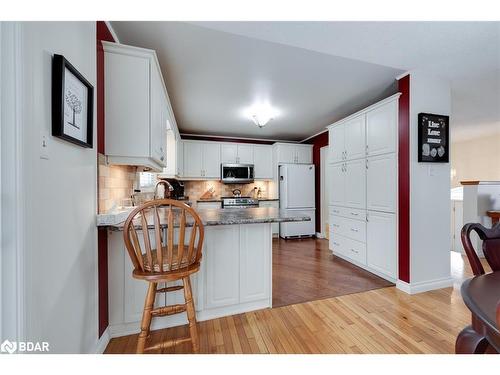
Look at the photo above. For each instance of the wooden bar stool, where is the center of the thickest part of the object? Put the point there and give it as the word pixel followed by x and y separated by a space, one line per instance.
pixel 165 262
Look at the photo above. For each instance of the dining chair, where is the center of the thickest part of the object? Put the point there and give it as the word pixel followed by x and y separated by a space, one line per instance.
pixel 160 261
pixel 491 246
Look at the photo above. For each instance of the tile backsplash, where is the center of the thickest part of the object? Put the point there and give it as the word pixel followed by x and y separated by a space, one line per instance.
pixel 116 182
pixel 195 189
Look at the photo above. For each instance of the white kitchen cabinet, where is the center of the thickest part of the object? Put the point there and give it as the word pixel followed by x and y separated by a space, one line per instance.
pixel 355 183
pixel 201 159
pixel 229 152
pixel 262 159
pixel 193 159
pixel 222 263
pixel 336 140
pixel 289 153
pixel 381 243
pixel 180 158
pixel 255 261
pixel 211 160
pixel 381 183
pixel 337 184
pixel 347 140
pixel 275 227
pixel 237 153
pixel 381 129
pixel 355 141
pixel 137 107
pixel 303 154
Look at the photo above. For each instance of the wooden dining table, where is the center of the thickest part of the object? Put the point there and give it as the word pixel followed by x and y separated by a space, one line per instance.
pixel 481 294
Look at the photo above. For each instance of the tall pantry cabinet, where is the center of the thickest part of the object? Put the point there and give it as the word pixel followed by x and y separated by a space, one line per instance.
pixel 363 188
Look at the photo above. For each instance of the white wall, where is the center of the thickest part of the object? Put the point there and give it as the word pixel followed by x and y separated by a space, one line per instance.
pixel 429 191
pixel 60 204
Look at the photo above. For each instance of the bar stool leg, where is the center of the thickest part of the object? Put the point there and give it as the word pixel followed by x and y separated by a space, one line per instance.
pixel 191 314
pixel 146 317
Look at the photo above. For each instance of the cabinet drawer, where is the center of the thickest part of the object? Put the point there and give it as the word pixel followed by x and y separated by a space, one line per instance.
pixel 354 229
pixel 350 213
pixel 338 243
pixel 355 250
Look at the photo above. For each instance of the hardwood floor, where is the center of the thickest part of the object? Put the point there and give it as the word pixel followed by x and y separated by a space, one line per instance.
pixel 305 270
pixel 378 321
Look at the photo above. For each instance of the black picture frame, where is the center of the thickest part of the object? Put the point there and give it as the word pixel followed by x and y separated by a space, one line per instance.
pixel 59 67
pixel 433 138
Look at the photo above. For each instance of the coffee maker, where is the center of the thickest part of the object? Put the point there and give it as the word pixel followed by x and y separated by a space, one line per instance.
pixel 178 192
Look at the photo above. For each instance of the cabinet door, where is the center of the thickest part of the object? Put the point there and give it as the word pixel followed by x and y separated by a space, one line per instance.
pixel 158 119
pixel 381 243
pixel 222 266
pixel 381 188
pixel 381 127
pixel 355 142
pixel 193 159
pixel 211 160
pixel 180 158
pixel 275 227
pixel 245 154
pixel 286 153
pixel 263 161
pixel 255 262
pixel 336 138
pixel 127 98
pixel 336 191
pixel 229 152
pixel 303 154
pixel 355 183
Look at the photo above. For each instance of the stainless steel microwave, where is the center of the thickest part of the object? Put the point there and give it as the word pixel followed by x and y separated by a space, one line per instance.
pixel 236 173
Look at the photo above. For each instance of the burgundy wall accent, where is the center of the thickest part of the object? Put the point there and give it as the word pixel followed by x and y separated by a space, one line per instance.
pixel 225 139
pixel 318 141
pixel 102 33
pixel 404 179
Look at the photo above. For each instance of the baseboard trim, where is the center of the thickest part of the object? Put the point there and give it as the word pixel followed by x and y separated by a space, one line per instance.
pixel 103 342
pixel 424 286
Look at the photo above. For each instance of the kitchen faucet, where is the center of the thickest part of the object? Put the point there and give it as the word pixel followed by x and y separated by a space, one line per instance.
pixel 168 187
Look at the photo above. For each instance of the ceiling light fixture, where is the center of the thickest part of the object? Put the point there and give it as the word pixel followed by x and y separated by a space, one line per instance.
pixel 261 114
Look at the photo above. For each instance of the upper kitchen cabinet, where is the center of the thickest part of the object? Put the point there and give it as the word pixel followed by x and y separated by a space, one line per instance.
pixel 237 153
pixel 290 153
pixel 262 159
pixel 381 129
pixel 138 111
pixel 347 139
pixel 201 159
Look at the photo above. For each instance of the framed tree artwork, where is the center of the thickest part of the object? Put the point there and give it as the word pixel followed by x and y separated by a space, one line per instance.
pixel 433 138
pixel 72 104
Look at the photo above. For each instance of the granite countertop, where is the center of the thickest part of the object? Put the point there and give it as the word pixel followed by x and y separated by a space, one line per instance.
pixel 226 216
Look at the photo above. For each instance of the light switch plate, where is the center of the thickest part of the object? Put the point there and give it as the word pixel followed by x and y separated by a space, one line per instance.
pixel 44 145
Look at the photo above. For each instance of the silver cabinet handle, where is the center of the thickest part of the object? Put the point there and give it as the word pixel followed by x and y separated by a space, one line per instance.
pixel 354 251
pixel 366 163
pixel 354 230
pixel 354 214
pixel 336 243
pixel 336 211
pixel 336 225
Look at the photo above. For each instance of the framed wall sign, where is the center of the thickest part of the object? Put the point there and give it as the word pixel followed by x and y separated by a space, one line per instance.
pixel 433 138
pixel 72 104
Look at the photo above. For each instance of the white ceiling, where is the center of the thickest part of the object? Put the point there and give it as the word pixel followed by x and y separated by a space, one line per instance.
pixel 317 72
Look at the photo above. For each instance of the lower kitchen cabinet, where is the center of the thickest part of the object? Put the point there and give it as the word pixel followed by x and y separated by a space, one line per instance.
pixel 274 204
pixel 381 243
pixel 224 264
pixel 366 238
pixel 234 277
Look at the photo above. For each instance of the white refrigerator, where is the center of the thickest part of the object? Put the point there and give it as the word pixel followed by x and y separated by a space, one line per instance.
pixel 297 191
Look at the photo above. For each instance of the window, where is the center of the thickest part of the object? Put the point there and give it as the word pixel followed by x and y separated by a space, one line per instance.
pixel 146 179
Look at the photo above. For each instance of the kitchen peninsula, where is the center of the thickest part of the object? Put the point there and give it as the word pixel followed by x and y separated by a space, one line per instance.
pixel 235 274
